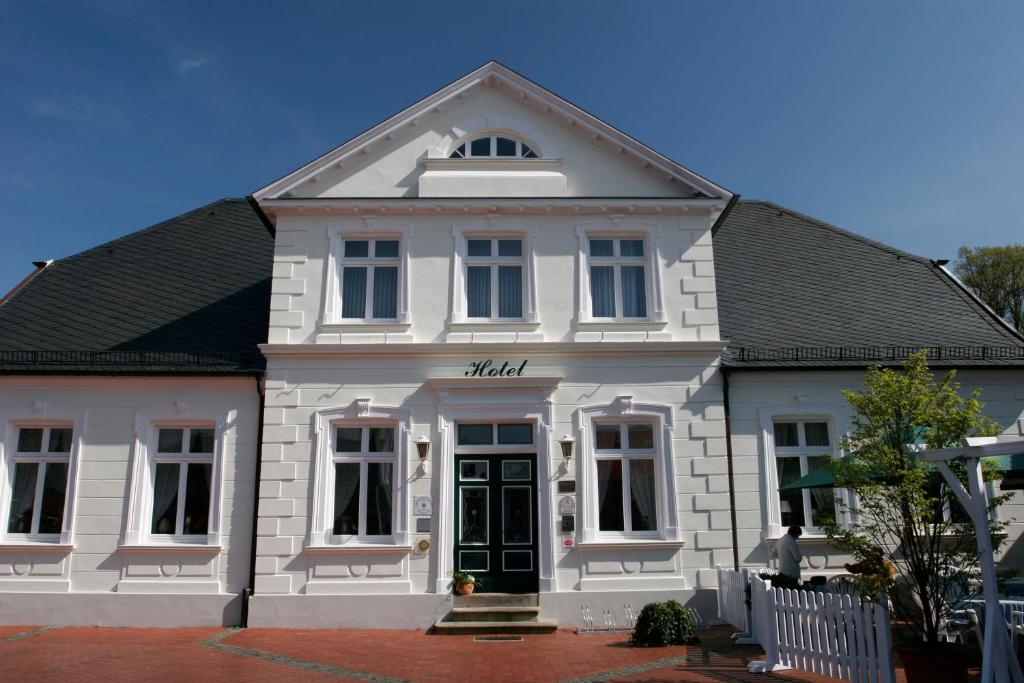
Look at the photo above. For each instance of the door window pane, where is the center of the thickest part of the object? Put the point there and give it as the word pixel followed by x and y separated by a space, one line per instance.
pixel 473 560
pixel 634 292
pixel 475 435
pixel 60 440
pixel 607 437
pixel 23 497
pixel 515 433
pixel 478 291
pixel 785 434
pixel 510 247
pixel 385 292
pixel 348 440
pixel 197 498
pixel 517 560
pixel 357 248
pixel 30 440
pixel 602 248
pixel 791 503
pixel 51 511
pixel 515 470
pixel 602 291
pixel 609 495
pixel 510 291
pixel 642 495
pixel 382 439
pixel 473 470
pixel 165 498
pixel 200 441
pixel 516 513
pixel 473 515
pixel 346 498
pixel 641 436
pixel 170 440
pixel 353 292
pixel 378 499
pixel 816 434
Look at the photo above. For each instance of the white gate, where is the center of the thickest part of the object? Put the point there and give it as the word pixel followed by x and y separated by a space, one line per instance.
pixel 732 598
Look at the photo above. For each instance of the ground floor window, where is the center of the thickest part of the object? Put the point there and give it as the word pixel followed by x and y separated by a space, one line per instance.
pixel 40 480
pixel 625 456
pixel 182 481
pixel 801 447
pixel 364 458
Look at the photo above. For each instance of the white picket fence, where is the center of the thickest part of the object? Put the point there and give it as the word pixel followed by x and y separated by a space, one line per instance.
pixel 825 633
pixel 732 602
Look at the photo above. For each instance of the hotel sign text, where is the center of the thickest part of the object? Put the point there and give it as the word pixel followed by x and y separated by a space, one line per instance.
pixel 487 368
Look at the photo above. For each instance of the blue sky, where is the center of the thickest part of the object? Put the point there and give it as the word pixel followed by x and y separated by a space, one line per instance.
pixel 901 121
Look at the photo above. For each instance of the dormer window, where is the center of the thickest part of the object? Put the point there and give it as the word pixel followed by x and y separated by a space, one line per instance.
pixel 493 147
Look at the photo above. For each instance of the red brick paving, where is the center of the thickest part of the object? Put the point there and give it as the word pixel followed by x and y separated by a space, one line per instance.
pixel 112 655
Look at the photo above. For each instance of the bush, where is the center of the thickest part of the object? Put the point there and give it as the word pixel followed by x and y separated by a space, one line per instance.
pixel 664 623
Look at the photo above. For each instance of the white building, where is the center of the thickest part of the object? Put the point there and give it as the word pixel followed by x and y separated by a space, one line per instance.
pixel 494 345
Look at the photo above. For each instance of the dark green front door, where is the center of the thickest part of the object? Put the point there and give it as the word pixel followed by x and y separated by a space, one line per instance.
pixel 496 520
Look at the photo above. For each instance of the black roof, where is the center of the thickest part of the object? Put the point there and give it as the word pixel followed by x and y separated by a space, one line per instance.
pixel 190 294
pixel 794 291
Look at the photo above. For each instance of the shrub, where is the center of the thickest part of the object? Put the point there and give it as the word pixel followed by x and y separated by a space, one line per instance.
pixel 664 623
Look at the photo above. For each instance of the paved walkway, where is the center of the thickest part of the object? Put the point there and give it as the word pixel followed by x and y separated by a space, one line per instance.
pixel 215 654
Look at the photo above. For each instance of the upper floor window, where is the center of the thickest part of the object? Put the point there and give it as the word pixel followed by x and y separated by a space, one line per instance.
pixel 618 277
pixel 369 279
pixel 182 481
pixel 493 147
pixel 801 447
pixel 41 462
pixel 494 278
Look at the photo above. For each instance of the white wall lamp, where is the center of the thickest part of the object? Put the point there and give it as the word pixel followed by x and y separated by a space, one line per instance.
pixel 567 442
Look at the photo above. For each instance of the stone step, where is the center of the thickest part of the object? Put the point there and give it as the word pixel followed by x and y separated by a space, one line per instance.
pixel 498 600
pixel 460 628
pixel 517 614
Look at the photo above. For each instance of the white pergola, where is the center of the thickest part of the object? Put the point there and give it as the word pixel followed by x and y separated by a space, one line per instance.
pixel 999 662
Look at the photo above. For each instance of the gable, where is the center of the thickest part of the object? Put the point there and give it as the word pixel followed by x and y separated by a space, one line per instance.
pixel 407 155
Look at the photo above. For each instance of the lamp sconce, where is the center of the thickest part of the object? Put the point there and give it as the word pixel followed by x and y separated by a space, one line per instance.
pixel 423 448
pixel 567 442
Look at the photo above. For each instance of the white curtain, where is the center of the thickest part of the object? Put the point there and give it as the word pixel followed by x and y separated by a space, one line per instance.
pixel 385 292
pixel 510 291
pixel 346 486
pixel 602 291
pixel 641 488
pixel 20 520
pixel 478 291
pixel 165 494
pixel 353 293
pixel 634 296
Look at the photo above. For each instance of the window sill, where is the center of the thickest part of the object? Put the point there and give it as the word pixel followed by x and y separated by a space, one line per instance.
pixel 369 325
pixel 622 324
pixel 188 548
pixel 511 325
pixel 35 546
pixel 628 544
pixel 386 548
pixel 808 538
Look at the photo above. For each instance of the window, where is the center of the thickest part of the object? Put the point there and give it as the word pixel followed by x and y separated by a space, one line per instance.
pixel 493 147
pixel 363 478
pixel 494 278
pixel 801 447
pixel 625 456
pixel 489 434
pixel 370 278
pixel 618 277
pixel 182 481
pixel 40 480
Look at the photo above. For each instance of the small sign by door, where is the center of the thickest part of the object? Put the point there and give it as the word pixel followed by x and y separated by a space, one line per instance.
pixel 568 543
pixel 567 505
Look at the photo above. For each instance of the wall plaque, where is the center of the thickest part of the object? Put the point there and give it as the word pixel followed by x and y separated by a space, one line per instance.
pixel 567 505
pixel 423 525
pixel 567 486
pixel 422 505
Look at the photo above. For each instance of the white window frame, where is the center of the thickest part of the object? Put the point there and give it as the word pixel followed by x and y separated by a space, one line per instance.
pixel 184 460
pixel 40 417
pixel 493 263
pixel 493 136
pixel 625 411
pixel 619 229
pixel 143 476
pixel 363 459
pixel 494 229
pixel 370 230
pixel 625 456
pixel 362 413
pixel 803 452
pixel 831 414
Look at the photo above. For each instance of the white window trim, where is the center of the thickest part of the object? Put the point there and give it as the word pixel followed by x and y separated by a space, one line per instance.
pixel 360 414
pixel 143 472
pixel 494 228
pixel 366 229
pixel 835 416
pixel 363 459
pixel 493 135
pixel 40 416
pixel 619 228
pixel 506 125
pixel 623 409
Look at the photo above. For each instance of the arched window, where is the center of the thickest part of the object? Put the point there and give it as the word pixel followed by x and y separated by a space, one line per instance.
pixel 493 147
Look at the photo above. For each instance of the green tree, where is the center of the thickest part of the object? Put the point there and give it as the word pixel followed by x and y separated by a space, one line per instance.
pixel 996 275
pixel 903 513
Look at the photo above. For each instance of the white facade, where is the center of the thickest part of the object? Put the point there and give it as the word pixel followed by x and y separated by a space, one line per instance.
pixel 105 566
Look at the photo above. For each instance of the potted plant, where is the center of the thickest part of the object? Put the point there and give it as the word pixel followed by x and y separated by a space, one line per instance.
pixel 464 582
pixel 907 527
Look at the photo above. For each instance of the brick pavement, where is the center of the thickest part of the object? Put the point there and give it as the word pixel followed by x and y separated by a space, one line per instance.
pixel 112 655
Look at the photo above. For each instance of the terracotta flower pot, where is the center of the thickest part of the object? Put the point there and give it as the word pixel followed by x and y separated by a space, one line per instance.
pixel 929 662
pixel 464 588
